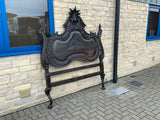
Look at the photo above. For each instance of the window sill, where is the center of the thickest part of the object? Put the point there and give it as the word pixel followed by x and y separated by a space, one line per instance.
pixel 152 38
pixel 19 53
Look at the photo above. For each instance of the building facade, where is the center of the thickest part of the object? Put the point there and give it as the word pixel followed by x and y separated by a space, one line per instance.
pixel 22 81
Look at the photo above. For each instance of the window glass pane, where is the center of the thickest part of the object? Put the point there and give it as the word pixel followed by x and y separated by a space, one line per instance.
pixel 23 18
pixel 153 22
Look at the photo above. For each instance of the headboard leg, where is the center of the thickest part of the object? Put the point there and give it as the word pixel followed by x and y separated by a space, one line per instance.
pixel 102 75
pixel 102 79
pixel 48 87
pixel 47 91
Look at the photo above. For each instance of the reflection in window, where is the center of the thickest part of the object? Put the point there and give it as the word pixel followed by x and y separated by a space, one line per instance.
pixel 153 22
pixel 23 18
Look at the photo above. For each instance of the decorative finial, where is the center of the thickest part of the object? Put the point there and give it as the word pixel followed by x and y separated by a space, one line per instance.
pixel 73 15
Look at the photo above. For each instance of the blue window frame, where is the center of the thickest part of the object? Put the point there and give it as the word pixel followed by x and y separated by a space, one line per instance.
pixel 153 25
pixel 5 49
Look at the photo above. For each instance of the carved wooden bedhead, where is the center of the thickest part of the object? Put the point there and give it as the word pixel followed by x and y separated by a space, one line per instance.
pixel 74 44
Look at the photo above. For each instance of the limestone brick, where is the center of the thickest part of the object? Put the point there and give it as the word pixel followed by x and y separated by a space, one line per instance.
pixel 26 100
pixel 27 68
pixel 18 76
pixel 3 86
pixel 4 79
pixel 22 62
pixel 36 75
pixel 34 90
pixel 35 61
pixel 17 83
pixel 38 66
pixel 2 99
pixel 12 96
pixel 2 59
pixel 5 65
pixel 22 87
pixel 22 57
pixel 5 92
pixel 4 106
pixel 8 71
pixel 58 10
pixel 40 95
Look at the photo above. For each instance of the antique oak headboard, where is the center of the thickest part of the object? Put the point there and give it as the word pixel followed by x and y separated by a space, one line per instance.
pixel 73 44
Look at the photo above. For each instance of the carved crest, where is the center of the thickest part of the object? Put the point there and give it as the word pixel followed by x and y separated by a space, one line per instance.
pixel 73 44
pixel 74 21
pixel 74 15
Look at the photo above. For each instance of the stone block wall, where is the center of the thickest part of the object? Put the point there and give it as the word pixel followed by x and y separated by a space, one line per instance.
pixel 22 81
pixel 135 53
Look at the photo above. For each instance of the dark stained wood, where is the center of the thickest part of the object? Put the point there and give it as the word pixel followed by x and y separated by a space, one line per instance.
pixel 73 44
pixel 73 69
pixel 74 79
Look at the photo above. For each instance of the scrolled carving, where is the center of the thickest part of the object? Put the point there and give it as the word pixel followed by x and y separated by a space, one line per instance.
pixel 73 44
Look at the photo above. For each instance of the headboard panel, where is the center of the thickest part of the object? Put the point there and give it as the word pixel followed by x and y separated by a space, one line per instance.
pixel 73 44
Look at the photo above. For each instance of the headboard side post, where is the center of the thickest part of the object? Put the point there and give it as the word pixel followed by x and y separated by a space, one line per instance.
pixel 100 43
pixel 44 57
pixel 45 65
pixel 102 75
pixel 101 57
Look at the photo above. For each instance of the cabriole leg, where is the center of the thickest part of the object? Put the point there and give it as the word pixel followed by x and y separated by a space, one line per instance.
pixel 102 74
pixel 102 80
pixel 47 91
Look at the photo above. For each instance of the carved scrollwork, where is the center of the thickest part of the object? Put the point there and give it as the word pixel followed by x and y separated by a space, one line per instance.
pixel 73 44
